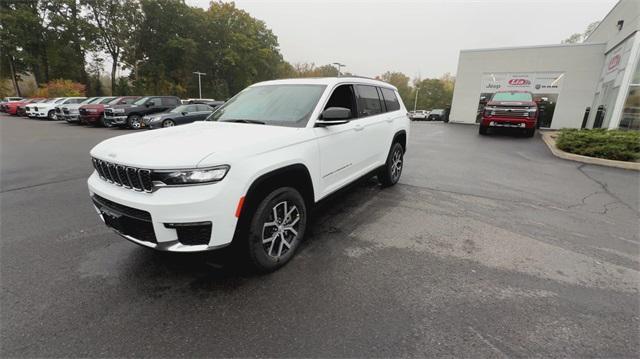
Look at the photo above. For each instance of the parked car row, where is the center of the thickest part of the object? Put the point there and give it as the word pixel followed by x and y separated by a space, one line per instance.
pixel 424 115
pixel 113 111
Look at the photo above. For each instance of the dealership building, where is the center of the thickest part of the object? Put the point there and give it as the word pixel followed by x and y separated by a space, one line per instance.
pixel 594 84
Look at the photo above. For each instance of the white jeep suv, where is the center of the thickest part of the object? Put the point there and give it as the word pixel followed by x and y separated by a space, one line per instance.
pixel 252 171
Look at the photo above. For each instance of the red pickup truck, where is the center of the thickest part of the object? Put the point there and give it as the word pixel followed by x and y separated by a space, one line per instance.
pixel 510 109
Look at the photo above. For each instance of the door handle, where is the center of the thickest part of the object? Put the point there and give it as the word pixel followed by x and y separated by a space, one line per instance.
pixel 358 127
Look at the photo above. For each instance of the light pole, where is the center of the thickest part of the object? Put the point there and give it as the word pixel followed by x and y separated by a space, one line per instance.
pixel 339 66
pixel 415 102
pixel 199 82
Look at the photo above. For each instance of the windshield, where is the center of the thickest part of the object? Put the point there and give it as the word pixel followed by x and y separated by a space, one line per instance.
pixel 107 100
pixel 59 100
pixel 141 101
pixel 512 96
pixel 278 105
pixel 181 108
pixel 89 100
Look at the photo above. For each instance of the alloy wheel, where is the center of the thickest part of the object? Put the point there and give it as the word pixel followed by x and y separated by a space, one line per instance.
pixel 281 229
pixel 396 164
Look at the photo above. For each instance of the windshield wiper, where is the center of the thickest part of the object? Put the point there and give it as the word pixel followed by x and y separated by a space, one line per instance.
pixel 244 121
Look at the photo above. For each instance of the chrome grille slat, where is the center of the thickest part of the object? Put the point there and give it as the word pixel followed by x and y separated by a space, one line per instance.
pixel 137 179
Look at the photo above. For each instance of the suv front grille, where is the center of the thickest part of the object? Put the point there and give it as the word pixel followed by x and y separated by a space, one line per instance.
pixel 129 177
pixel 108 112
pixel 65 111
pixel 511 112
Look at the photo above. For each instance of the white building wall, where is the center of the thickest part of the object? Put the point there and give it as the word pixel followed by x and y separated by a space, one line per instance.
pixel 581 63
pixel 607 31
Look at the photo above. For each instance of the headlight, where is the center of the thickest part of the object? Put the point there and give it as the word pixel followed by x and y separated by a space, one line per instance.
pixel 117 110
pixel 194 176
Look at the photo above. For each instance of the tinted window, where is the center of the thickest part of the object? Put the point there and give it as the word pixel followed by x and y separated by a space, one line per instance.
pixel 204 108
pixel 368 101
pixel 156 101
pixel 390 99
pixel 170 101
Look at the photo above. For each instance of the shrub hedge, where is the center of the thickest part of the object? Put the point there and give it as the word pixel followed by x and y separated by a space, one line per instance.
pixel 601 143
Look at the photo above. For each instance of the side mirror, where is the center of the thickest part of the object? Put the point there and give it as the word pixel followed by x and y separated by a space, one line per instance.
pixel 184 113
pixel 334 116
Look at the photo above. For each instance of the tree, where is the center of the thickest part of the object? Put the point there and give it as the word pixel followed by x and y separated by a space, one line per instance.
pixel 580 37
pixel 114 20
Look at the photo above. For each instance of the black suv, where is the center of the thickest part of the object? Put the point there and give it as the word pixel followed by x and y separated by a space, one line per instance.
pixel 131 115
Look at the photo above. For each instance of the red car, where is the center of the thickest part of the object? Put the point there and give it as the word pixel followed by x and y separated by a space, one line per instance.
pixel 510 109
pixel 92 114
pixel 11 107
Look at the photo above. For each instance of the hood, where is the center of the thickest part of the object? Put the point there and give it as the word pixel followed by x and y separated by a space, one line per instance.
pixel 188 146
pixel 72 106
pixel 512 103
pixel 99 106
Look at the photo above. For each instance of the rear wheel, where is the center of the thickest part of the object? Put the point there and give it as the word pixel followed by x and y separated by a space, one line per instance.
pixel 482 130
pixel 134 122
pixel 168 123
pixel 276 229
pixel 390 173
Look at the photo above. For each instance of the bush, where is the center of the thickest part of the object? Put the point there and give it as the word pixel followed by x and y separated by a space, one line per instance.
pixel 61 88
pixel 601 143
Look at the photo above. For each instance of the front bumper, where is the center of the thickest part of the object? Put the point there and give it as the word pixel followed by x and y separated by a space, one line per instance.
pixel 91 117
pixel 508 122
pixel 119 120
pixel 72 117
pixel 171 206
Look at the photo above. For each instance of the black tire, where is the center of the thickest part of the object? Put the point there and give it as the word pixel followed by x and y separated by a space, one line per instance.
pixel 104 124
pixel 482 130
pixel 134 122
pixel 529 132
pixel 168 123
pixel 51 115
pixel 392 170
pixel 271 255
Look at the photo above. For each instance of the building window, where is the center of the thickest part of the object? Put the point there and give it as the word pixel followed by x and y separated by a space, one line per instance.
pixel 631 112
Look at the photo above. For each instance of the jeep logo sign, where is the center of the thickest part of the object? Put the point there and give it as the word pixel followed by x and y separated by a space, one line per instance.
pixel 519 82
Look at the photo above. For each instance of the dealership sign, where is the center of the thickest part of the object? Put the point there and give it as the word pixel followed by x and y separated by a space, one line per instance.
pixel 534 82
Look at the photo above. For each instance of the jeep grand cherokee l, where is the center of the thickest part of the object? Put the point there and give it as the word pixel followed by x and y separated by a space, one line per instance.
pixel 510 109
pixel 130 115
pixel 251 172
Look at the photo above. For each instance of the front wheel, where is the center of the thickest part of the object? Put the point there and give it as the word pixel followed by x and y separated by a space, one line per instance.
pixel 390 173
pixel 529 132
pixel 168 123
pixel 277 227
pixel 51 115
pixel 482 130
pixel 134 122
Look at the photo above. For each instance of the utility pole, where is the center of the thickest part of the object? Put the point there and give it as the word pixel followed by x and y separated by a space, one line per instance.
pixel 415 102
pixel 339 66
pixel 200 74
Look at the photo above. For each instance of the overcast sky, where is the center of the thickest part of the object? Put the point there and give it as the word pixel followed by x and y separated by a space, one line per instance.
pixel 419 38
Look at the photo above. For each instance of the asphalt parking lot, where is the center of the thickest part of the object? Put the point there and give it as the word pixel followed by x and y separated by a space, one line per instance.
pixel 488 247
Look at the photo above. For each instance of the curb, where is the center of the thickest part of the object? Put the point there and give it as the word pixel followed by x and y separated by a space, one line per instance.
pixel 550 141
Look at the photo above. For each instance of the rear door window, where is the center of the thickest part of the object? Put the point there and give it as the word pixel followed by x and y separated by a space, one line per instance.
pixel 169 101
pixel 390 99
pixel 368 101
